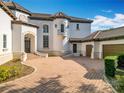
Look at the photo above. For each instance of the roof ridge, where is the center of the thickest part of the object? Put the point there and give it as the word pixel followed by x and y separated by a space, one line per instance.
pixel 97 33
pixel 42 13
pixel 111 29
pixel 14 4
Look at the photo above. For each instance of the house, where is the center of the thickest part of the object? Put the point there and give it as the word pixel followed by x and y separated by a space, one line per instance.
pixel 6 16
pixel 55 31
pixel 25 32
pixel 100 44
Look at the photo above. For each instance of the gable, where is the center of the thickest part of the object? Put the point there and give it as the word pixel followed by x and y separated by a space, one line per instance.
pixel 3 6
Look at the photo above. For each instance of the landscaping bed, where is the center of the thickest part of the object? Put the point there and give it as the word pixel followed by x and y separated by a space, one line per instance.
pixel 114 74
pixel 13 69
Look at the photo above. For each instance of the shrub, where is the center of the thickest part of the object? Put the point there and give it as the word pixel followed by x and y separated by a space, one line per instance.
pixel 110 65
pixel 7 72
pixel 121 61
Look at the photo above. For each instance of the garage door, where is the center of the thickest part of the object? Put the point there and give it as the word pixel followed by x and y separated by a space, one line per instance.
pixel 88 50
pixel 111 50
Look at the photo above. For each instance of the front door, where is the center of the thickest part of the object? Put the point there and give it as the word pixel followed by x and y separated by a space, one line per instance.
pixel 88 50
pixel 74 48
pixel 27 45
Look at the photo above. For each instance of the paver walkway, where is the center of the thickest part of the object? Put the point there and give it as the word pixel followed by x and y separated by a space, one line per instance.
pixel 60 75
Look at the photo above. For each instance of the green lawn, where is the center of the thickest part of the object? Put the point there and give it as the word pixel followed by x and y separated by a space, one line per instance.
pixel 118 81
pixel 13 70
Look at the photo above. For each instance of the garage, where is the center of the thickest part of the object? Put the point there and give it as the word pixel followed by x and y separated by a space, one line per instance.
pixel 113 49
pixel 88 50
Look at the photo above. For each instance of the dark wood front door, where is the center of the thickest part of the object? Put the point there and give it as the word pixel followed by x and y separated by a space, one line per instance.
pixel 74 48
pixel 27 45
pixel 88 50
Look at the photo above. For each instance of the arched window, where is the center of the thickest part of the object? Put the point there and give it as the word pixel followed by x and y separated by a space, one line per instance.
pixel 62 27
pixel 45 28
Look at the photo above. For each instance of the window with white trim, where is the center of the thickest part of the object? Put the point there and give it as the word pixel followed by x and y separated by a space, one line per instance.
pixel 78 27
pixel 62 27
pixel 45 29
pixel 45 41
pixel 4 41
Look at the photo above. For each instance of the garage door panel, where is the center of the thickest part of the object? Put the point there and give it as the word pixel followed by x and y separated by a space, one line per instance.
pixel 112 50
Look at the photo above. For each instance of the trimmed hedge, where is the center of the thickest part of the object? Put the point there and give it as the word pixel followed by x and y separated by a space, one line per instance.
pixel 7 72
pixel 121 61
pixel 110 65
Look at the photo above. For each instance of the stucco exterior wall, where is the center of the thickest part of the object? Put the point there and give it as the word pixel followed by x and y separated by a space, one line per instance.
pixel 79 47
pixel 21 16
pixel 97 50
pixel 19 32
pixel 61 39
pixel 59 42
pixel 85 30
pixel 40 34
pixel 5 23
pixel 83 49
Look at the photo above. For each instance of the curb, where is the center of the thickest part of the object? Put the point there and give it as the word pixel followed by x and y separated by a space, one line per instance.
pixel 35 69
pixel 107 82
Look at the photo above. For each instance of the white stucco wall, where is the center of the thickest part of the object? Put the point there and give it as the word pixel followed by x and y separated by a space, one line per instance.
pixel 85 30
pixel 59 42
pixel 40 34
pixel 79 47
pixel 19 32
pixel 5 27
pixel 20 15
pixel 97 50
pixel 83 49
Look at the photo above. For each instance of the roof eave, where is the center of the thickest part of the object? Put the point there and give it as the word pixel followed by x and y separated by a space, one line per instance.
pixel 5 8
pixel 24 23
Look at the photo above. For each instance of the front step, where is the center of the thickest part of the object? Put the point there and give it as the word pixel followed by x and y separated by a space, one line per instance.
pixel 31 56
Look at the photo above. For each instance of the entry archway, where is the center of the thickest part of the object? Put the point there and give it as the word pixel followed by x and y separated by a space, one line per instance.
pixel 29 41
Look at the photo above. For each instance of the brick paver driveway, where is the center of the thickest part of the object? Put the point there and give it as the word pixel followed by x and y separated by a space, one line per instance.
pixel 60 75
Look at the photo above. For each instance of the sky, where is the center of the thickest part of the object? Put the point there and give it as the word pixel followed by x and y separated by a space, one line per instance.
pixel 105 13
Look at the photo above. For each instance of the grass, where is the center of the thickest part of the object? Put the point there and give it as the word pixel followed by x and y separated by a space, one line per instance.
pixel 24 70
pixel 118 81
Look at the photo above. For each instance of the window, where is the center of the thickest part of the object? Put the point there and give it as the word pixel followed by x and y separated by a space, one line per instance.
pixel 45 41
pixel 45 28
pixel 55 25
pixel 62 27
pixel 4 41
pixel 78 27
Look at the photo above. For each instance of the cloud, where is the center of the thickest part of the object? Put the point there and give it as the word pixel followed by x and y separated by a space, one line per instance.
pixel 107 11
pixel 102 22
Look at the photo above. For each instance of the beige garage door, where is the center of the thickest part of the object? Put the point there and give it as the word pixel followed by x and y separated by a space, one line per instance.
pixel 111 50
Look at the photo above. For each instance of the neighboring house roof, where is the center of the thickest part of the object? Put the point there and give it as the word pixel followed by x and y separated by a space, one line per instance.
pixel 24 23
pixel 6 9
pixel 112 34
pixel 15 6
pixel 38 16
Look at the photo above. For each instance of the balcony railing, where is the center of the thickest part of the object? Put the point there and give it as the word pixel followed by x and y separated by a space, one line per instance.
pixel 62 33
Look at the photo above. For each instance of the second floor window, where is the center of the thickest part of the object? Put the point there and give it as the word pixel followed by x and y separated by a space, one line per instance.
pixel 45 28
pixel 4 41
pixel 78 27
pixel 62 27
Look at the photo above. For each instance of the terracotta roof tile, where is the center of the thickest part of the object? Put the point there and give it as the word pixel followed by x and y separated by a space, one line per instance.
pixel 58 15
pixel 15 6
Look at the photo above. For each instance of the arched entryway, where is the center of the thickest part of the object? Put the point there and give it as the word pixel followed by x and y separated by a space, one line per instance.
pixel 29 43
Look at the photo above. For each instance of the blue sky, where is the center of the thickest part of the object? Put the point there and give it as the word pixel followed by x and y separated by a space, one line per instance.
pixel 98 10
